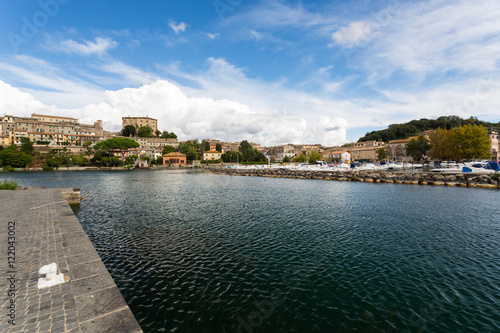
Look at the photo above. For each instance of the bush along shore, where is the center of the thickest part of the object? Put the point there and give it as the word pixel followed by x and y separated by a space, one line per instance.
pixel 414 178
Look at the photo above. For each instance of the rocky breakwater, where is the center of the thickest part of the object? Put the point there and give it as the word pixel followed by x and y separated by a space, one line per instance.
pixel 414 178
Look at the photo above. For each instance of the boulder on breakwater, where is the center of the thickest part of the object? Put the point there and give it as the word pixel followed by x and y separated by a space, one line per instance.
pixel 415 178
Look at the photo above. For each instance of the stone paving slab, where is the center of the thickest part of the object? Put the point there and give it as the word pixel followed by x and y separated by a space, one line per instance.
pixel 47 231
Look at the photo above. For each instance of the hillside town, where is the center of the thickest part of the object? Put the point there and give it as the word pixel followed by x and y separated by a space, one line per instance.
pixel 51 132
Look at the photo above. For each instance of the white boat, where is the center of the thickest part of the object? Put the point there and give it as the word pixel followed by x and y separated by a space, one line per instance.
pixel 472 167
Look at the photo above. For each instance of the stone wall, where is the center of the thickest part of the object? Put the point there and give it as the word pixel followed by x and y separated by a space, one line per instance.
pixel 415 178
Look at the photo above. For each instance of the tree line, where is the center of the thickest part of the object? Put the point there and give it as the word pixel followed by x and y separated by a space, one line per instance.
pixel 146 132
pixel 467 142
pixel 403 131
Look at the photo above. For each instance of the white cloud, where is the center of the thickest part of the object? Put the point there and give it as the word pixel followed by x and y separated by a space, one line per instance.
pixel 130 75
pixel 49 84
pixel 100 46
pixel 213 36
pixel 434 37
pixel 195 117
pixel 177 27
pixel 354 33
pixel 277 14
pixel 17 103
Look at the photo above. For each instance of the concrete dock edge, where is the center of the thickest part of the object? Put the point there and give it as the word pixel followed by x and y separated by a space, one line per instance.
pixel 40 228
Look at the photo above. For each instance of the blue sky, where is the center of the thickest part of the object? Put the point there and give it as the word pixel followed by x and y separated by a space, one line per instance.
pixel 267 71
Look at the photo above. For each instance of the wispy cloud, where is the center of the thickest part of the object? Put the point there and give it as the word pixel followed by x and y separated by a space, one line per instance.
pixel 277 14
pixel 431 37
pixel 177 27
pixel 99 46
pixel 354 33
pixel 213 36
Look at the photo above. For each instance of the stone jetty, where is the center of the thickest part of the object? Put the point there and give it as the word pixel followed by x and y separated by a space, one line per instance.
pixel 413 178
pixel 40 229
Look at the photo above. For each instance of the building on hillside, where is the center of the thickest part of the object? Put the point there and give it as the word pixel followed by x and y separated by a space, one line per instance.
pixel 364 154
pixel 54 130
pixel 282 151
pixel 122 155
pixel 155 143
pixel 141 152
pixel 4 140
pixel 212 155
pixel 364 144
pixel 53 119
pixel 140 122
pixel 397 149
pixel 494 147
pixel 307 149
pixel 337 156
pixel 174 159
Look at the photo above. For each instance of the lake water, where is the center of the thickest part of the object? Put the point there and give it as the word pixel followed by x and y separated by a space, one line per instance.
pixel 197 252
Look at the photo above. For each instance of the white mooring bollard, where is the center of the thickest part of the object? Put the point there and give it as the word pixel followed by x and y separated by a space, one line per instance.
pixel 49 276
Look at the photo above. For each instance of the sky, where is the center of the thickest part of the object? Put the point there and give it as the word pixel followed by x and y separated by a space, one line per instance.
pixel 270 71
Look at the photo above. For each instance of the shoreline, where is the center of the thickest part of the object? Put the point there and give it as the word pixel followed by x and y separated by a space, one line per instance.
pixel 409 178
pixel 96 169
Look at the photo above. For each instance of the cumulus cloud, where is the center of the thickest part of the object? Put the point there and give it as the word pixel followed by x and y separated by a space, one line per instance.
pixel 195 117
pixel 177 27
pixel 18 103
pixel 329 130
pixel 99 46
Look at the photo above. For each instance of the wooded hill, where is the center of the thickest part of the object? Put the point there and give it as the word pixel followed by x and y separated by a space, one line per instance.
pixel 403 131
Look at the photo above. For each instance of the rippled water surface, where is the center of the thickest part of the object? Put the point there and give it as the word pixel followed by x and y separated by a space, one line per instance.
pixel 197 252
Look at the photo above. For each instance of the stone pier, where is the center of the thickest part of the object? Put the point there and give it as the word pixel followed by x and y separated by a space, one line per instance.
pixel 39 228
pixel 409 178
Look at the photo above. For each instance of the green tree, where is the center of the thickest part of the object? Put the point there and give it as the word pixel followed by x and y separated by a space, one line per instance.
pixel 144 132
pixel 473 142
pixel 122 144
pixel 79 160
pixel 259 156
pixel 27 146
pixel 443 145
pixel 232 157
pixel 417 148
pixel 314 157
pixel 129 130
pixel 218 147
pixel 167 149
pixel 157 132
pixel 247 151
pixel 190 148
pixel 382 154
pixel 131 159
pixel 167 135
pixel 159 160
pixel 11 157
pixel 300 159
pixel 87 145
pixel 286 159
pixel 206 145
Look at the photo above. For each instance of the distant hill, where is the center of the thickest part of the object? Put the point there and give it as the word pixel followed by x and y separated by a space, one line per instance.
pixel 403 131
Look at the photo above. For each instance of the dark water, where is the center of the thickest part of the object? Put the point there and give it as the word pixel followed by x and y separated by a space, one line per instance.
pixel 196 252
